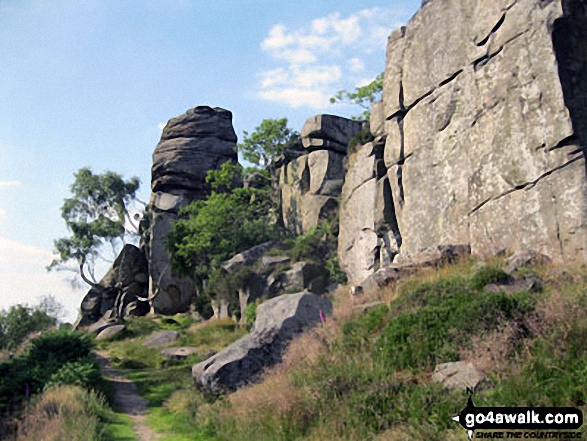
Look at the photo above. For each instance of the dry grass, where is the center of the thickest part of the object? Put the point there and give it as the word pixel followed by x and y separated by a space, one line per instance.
pixel 64 413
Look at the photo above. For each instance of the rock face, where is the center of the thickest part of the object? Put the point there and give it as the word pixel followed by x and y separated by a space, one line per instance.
pixel 200 140
pixel 278 321
pixel 310 181
pixel 484 127
pixel 129 276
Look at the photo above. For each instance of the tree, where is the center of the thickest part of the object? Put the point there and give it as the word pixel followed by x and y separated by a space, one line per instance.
pixel 20 321
pixel 97 214
pixel 266 141
pixel 227 222
pixel 363 96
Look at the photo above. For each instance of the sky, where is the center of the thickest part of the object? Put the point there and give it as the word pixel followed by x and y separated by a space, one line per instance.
pixel 91 83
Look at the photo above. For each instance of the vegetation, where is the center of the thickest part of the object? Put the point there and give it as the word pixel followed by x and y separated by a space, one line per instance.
pixel 97 215
pixel 268 140
pixel 362 96
pixel 20 321
pixel 367 375
pixel 227 222
pixel 65 413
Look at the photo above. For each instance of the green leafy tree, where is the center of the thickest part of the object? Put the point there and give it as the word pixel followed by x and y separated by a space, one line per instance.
pixel 266 141
pixel 97 214
pixel 227 222
pixel 19 322
pixel 362 96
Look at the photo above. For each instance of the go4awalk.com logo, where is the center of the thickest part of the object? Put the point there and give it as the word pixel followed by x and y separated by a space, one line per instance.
pixel 520 422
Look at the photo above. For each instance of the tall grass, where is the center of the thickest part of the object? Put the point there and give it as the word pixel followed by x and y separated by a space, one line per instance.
pixel 63 413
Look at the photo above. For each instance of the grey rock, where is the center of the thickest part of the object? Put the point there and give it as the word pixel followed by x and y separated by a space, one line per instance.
pixel 178 353
pixel 272 261
pixel 458 375
pixel 278 321
pixel 530 283
pixel 101 325
pixel 329 132
pixel 309 187
pixel 110 332
pixel 248 257
pixel 192 144
pixel 161 338
pixel 126 276
pixel 377 120
pixel 524 258
pixel 486 149
pixel 306 275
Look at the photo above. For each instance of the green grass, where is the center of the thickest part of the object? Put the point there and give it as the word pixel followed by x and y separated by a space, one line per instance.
pixel 369 377
pixel 118 427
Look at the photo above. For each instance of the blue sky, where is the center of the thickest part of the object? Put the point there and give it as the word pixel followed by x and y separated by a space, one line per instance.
pixel 92 82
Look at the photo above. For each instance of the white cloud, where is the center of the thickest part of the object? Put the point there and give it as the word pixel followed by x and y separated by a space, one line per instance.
pixel 2 214
pixel 315 61
pixel 10 183
pixel 161 126
pixel 24 279
pixel 296 97
pixel 356 65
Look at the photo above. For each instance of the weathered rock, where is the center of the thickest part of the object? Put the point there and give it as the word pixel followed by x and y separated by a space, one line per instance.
pixel 485 125
pixel 110 332
pixel 126 277
pixel 278 321
pixel 530 283
pixel 101 324
pixel 524 258
pixel 458 375
pixel 192 144
pixel 161 338
pixel 368 228
pixel 178 353
pixel 329 132
pixel 432 257
pixel 306 275
pixel 248 257
pixel 309 187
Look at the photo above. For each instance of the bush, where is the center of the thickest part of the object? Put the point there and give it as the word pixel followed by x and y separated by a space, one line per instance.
pixel 488 274
pixel 46 356
pixel 84 373
pixel 251 313
pixel 440 318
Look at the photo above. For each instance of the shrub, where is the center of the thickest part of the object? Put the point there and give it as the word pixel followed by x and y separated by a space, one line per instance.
pixel 488 274
pixel 84 373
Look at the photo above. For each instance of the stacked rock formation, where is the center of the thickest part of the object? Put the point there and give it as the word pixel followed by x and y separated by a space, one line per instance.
pixel 200 140
pixel 483 124
pixel 128 279
pixel 310 177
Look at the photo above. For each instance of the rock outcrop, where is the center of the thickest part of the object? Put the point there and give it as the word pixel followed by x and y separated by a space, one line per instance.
pixel 310 177
pixel 200 140
pixel 128 277
pixel 484 126
pixel 278 321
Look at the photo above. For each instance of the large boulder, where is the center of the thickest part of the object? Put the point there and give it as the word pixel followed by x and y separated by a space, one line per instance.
pixel 192 144
pixel 278 321
pixel 127 276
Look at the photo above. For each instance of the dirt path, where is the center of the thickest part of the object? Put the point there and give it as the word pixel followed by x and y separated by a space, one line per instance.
pixel 127 397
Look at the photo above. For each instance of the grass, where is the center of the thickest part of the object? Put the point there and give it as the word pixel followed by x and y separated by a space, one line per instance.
pixel 367 375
